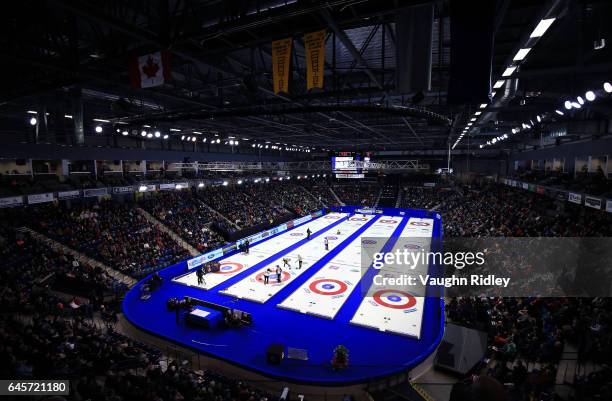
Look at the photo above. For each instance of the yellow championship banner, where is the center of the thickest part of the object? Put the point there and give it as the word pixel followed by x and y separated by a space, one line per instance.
pixel 281 62
pixel 314 43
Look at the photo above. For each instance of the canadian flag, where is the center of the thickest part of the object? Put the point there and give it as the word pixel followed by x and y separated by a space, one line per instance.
pixel 150 70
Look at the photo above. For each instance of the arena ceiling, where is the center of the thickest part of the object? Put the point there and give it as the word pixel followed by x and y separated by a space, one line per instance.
pixel 221 68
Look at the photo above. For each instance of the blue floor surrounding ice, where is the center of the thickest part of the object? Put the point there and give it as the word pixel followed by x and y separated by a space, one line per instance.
pixel 372 354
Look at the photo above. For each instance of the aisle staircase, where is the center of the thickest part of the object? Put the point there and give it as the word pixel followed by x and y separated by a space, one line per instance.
pixel 319 201
pixel 220 215
pixel 380 191
pixel 335 196
pixel 400 196
pixel 82 258
pixel 179 240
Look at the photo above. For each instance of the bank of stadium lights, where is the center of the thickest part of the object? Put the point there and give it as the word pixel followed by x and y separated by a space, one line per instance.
pixel 519 57
pixel 589 96
pixel 494 140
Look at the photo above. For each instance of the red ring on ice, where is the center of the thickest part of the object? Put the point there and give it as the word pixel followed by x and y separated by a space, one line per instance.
pixel 237 267
pixel 342 287
pixel 419 223
pixel 378 297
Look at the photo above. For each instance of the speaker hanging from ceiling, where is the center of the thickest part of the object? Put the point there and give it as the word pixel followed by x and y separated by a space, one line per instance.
pixel 472 34
pixel 414 32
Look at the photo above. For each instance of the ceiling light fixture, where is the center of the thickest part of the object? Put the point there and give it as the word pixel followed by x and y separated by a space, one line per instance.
pixel 521 54
pixel 509 71
pixel 590 96
pixel 542 27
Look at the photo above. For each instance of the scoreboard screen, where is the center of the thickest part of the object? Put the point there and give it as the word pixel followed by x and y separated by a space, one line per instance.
pixel 343 166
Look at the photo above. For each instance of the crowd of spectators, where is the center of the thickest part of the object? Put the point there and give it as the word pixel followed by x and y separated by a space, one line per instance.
pixel 497 211
pixel 43 335
pixel 116 234
pixel 31 271
pixel 290 196
pixel 534 330
pixel 187 216
pixel 241 205
pixel 424 198
pixel 57 343
pixel 321 192
pixel 103 364
pixel 360 194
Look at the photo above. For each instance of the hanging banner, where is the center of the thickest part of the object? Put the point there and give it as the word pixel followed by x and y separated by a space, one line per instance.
pixel 11 201
pixel 146 188
pixel 200 260
pixel 40 198
pixel 150 70
pixel 590 201
pixel 314 44
pixel 281 62
pixel 575 198
pixel 123 190
pixel 87 193
pixel 68 194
